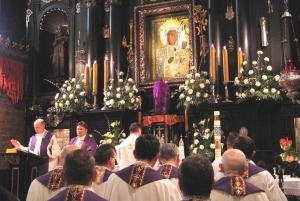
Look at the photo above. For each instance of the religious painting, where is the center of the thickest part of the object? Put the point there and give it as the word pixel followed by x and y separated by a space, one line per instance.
pixel 164 42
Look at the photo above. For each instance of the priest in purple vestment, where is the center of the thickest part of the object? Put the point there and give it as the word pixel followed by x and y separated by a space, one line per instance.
pixel 169 161
pixel 232 186
pixel 105 157
pixel 44 144
pixel 78 173
pixel 83 140
pixel 196 178
pixel 140 181
pixel 48 185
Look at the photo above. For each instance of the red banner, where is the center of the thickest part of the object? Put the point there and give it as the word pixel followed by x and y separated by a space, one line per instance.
pixel 169 119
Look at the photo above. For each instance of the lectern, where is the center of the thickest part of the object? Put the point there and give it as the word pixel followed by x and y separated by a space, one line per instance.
pixel 23 168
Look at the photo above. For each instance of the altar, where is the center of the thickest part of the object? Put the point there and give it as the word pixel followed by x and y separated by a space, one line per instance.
pixel 291 187
pixel 166 127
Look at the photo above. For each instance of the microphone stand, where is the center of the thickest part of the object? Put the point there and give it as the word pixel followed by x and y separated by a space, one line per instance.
pixel 280 175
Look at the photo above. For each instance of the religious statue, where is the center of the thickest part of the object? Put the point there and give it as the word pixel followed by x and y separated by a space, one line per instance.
pixel 58 56
pixel 174 57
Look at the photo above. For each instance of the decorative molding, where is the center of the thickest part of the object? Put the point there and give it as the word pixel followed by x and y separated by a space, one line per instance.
pixel 78 8
pixel 13 50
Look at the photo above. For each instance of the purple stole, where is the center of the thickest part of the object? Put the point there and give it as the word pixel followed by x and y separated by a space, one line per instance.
pixel 252 170
pixel 76 194
pixel 88 143
pixel 138 175
pixel 236 185
pixel 43 169
pixel 168 171
pixel 52 179
pixel 102 174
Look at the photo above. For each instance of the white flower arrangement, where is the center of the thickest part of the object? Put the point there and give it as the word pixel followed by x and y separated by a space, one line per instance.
pixel 203 140
pixel 123 94
pixel 258 82
pixel 71 97
pixel 194 91
pixel 115 135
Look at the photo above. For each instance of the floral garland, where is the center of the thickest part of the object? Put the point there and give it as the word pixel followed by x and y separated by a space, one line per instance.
pixel 71 97
pixel 195 90
pixel 257 82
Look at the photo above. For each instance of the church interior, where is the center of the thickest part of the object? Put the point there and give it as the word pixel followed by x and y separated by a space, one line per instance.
pixel 118 47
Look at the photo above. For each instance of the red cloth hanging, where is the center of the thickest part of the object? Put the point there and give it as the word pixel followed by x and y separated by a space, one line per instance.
pixel 11 78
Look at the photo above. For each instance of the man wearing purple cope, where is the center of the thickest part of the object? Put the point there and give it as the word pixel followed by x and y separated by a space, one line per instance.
pixel 83 140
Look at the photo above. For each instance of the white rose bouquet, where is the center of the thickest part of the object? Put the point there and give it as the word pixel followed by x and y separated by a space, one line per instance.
pixel 195 90
pixel 71 97
pixel 258 82
pixel 203 140
pixel 122 95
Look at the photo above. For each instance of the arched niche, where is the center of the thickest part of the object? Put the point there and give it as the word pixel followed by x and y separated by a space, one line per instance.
pixel 54 42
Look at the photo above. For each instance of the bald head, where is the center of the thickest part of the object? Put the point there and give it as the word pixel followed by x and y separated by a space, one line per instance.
pixel 39 126
pixel 67 149
pixel 233 161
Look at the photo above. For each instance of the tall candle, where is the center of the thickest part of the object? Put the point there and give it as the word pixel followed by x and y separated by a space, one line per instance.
pixel 140 117
pixel 106 72
pixel 87 78
pixel 239 60
pixel 217 134
pixel 225 64
pixel 212 62
pixel 95 77
pixel 186 119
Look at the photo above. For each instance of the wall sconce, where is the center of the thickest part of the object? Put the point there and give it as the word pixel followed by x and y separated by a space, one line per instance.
pixel 124 43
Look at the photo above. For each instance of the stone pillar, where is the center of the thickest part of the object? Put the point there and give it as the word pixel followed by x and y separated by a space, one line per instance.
pixel 242 27
pixel 215 38
pixel 115 20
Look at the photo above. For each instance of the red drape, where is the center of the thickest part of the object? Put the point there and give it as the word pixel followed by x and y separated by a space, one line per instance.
pixel 11 78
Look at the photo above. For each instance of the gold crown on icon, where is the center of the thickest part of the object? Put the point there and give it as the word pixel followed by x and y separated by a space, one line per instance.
pixel 171 24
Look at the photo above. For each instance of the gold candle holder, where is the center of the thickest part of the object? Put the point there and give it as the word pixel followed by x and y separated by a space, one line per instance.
pixel 213 90
pixel 95 106
pixel 226 92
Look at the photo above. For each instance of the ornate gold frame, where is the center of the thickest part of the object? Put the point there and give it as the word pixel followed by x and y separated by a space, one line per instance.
pixel 146 20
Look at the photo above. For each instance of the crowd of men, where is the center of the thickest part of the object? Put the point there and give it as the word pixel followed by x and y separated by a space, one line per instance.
pixel 147 170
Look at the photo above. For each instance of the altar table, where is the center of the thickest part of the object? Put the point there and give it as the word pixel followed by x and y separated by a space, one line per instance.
pixel 291 186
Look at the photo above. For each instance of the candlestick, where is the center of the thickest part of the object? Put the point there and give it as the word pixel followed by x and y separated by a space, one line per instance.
pixel 186 119
pixel 95 106
pixel 225 64
pixel 87 78
pixel 217 134
pixel 106 71
pixel 226 92
pixel 239 60
pixel 213 90
pixel 212 63
pixel 95 77
pixel 140 117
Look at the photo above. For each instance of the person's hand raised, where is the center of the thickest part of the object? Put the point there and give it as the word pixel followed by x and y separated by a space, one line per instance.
pixel 16 143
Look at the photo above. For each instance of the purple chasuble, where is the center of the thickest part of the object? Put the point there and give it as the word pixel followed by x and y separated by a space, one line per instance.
pixel 236 185
pixel 168 171
pixel 252 170
pixel 88 144
pixel 43 169
pixel 76 194
pixel 138 175
pixel 51 179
